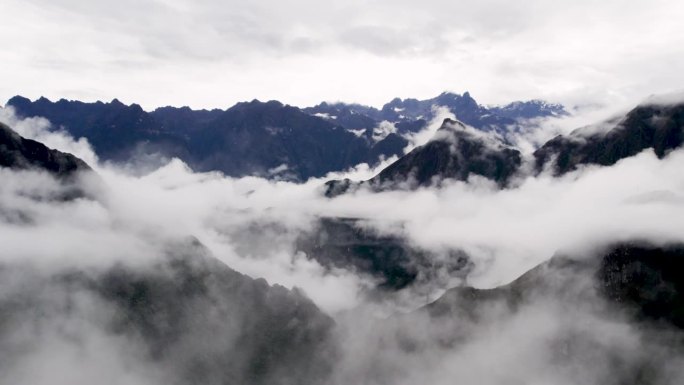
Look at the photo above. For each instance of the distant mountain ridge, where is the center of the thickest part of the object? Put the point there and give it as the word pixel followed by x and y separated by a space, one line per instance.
pixel 253 138
pixel 464 107
pixel 115 130
pixel 266 139
pixel 529 110
pixel 249 138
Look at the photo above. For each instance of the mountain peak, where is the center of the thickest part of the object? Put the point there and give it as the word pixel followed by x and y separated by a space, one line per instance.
pixel 451 124
pixel 18 100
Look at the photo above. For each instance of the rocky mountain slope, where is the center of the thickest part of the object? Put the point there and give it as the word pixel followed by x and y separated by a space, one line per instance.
pixel 455 153
pixel 20 153
pixel 659 127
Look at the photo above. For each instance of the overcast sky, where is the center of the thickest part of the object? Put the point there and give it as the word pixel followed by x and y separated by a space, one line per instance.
pixel 214 53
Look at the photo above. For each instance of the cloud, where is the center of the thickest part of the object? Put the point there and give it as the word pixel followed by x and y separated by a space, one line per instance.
pixel 428 132
pixel 505 231
pixel 533 133
pixel 303 52
pixel 41 130
pixel 64 342
pixel 252 224
pixel 540 342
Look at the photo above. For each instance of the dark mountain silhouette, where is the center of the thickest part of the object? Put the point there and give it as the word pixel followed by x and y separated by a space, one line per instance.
pixel 247 139
pixel 20 153
pixel 184 121
pixel 116 131
pixel 455 153
pixel 255 137
pixel 659 127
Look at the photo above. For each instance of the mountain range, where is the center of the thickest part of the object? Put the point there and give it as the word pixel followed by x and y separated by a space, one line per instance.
pixel 268 139
pixel 456 152
pixel 204 322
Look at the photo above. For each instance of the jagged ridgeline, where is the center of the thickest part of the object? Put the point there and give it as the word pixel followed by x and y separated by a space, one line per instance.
pixel 267 139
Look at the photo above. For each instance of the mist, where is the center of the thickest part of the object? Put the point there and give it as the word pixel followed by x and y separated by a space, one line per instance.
pixel 506 232
pixel 252 225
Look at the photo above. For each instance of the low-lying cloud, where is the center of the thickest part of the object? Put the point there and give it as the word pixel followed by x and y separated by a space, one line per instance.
pixel 251 224
pixel 504 231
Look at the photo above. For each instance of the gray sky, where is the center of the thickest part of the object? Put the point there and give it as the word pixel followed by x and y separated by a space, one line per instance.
pixel 214 53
